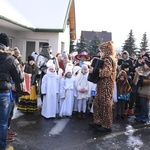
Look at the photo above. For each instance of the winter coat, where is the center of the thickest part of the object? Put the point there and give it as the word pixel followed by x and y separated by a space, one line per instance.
pixel 9 70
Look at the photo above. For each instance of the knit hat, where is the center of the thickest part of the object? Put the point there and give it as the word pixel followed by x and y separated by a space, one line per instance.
pixel 4 39
pixel 30 58
pixel 147 63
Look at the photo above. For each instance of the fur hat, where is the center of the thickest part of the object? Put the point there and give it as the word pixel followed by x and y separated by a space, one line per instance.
pixel 16 51
pixel 147 63
pixel 107 48
pixel 4 39
pixel 30 58
pixel 122 73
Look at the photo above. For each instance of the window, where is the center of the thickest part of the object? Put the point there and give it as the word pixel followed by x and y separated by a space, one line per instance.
pixel 30 47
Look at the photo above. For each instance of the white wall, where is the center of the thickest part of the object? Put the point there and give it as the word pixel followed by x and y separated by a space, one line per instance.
pixel 64 37
pixel 19 39
pixel 51 38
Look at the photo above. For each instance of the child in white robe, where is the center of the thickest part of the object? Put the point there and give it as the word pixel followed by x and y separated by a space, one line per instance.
pixel 76 70
pixel 67 92
pixel 50 89
pixel 82 85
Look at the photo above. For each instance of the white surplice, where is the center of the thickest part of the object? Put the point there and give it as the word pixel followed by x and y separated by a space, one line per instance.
pixel 50 87
pixel 67 92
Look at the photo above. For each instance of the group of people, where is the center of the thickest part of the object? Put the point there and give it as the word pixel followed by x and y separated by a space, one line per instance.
pixel 9 72
pixel 63 84
pixel 133 85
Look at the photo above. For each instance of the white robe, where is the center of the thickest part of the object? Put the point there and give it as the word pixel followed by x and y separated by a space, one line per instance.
pixel 50 87
pixel 67 92
pixel 82 82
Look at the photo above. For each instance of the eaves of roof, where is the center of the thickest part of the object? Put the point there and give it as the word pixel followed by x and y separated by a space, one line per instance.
pixel 42 29
pixel 31 28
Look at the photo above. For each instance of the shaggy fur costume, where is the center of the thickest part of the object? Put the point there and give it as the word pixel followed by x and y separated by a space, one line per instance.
pixel 102 106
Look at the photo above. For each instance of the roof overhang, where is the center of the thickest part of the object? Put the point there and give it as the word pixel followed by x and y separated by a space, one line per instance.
pixel 18 26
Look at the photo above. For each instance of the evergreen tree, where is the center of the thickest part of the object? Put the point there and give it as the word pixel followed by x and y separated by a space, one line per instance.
pixel 81 44
pixel 129 44
pixel 144 43
pixel 94 44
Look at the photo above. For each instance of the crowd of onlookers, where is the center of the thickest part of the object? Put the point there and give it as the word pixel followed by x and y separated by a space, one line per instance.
pixel 62 83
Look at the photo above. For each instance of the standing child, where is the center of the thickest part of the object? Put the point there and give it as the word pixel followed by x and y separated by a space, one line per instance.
pixel 76 70
pixel 82 85
pixel 49 89
pixel 67 90
pixel 130 103
pixel 92 96
pixel 123 93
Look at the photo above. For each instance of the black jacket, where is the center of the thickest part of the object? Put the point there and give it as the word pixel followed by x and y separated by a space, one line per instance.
pixel 9 70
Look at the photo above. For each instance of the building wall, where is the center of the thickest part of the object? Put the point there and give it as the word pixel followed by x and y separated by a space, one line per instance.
pixel 19 39
pixel 64 40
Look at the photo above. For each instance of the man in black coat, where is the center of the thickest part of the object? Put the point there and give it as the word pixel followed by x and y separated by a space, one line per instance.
pixel 9 70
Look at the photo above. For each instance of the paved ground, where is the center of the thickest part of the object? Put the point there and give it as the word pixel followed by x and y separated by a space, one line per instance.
pixel 36 133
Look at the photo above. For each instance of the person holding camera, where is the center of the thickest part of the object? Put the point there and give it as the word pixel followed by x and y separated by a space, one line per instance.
pixel 143 91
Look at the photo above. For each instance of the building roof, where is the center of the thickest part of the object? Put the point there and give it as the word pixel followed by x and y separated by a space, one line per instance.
pixel 37 15
pixel 104 35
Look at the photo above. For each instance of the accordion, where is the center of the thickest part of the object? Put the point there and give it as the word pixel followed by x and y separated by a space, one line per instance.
pixel 96 64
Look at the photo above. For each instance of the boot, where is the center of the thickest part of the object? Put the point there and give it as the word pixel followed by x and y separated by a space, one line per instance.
pixel 9 138
pixel 83 116
pixel 130 112
pixel 125 112
pixel 11 133
pixel 79 115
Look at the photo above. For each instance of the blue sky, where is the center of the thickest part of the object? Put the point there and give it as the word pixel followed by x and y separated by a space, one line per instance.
pixel 116 16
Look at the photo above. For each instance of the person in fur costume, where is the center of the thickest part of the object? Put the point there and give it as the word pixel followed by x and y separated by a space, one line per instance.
pixel 102 106
pixel 123 93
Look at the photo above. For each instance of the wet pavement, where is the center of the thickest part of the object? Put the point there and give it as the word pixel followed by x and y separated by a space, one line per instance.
pixel 34 132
